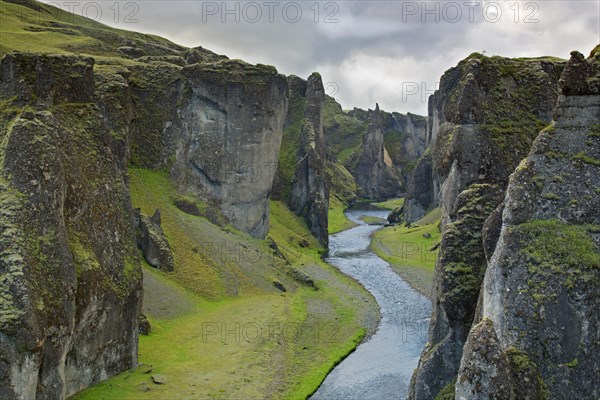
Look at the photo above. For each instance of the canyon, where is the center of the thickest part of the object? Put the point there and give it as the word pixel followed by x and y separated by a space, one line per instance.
pixel 145 185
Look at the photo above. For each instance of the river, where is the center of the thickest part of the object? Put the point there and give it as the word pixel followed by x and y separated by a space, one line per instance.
pixel 381 367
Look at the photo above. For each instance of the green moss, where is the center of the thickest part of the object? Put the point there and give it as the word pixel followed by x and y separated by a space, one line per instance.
pixel 290 143
pixel 13 263
pixel 522 366
pixel 572 364
pixel 584 158
pixel 447 393
pixel 551 196
pixel 553 248
pixel 594 131
pixel 538 181
pixel 343 133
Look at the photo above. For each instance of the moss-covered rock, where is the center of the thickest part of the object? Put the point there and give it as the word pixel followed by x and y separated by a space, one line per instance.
pixel 71 291
pixel 541 286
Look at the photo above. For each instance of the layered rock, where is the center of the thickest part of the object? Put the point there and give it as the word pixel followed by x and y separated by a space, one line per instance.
pixel 153 242
pixel 483 121
pixel 309 192
pixel 420 193
pixel 404 138
pixel 541 289
pixel 70 292
pixel 217 128
pixel 377 178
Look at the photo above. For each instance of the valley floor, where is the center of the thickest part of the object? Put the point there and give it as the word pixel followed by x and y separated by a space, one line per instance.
pixel 220 329
pixel 411 251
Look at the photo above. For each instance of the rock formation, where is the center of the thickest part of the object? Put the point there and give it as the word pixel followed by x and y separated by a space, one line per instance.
pixel 309 192
pixel 420 193
pixel 541 289
pixel 377 178
pixel 217 128
pixel 70 292
pixel 152 241
pixel 483 121
pixel 404 141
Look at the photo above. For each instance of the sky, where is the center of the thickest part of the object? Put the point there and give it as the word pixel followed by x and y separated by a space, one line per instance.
pixel 387 52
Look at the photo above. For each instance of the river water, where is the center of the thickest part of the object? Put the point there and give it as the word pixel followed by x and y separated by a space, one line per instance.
pixel 381 367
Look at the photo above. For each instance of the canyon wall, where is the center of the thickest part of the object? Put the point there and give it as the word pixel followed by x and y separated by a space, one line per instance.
pixel 540 333
pixel 70 292
pixel 483 121
pixel 309 192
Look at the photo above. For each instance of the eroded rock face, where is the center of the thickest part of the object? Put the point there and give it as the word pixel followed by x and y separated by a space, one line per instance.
pixel 309 192
pixel 228 148
pixel 483 121
pixel 70 292
pixel 216 127
pixel 420 195
pixel 153 242
pixel 458 276
pixel 542 286
pixel 376 178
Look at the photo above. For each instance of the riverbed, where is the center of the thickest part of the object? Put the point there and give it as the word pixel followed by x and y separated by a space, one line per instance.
pixel 381 367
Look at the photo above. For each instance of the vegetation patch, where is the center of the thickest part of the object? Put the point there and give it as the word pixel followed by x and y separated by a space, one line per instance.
pixel 411 251
pixel 255 343
pixel 554 248
pixel 391 204
pixel 337 219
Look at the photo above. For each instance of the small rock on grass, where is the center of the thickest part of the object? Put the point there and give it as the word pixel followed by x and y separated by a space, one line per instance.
pixel 159 379
pixel 143 387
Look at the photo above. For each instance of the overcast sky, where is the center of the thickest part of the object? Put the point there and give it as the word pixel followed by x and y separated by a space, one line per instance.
pixel 390 52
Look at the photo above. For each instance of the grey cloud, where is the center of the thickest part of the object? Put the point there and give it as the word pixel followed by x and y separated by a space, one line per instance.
pixel 375 46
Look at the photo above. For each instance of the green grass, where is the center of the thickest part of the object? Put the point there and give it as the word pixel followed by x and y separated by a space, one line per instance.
pixel 337 219
pixel 206 291
pixel 391 204
pixel 373 220
pixel 38 27
pixel 409 252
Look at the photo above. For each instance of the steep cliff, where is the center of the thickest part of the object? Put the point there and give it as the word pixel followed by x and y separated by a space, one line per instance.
pixel 309 192
pixel 541 289
pixel 483 121
pixel 70 292
pixel 375 173
pixel 420 193
pixel 404 139
pixel 215 124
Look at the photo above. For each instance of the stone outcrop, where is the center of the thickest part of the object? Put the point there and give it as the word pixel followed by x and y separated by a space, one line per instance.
pixel 376 178
pixel 483 121
pixel 217 128
pixel 420 193
pixel 404 141
pixel 152 241
pixel 70 279
pixel 309 192
pixel 541 289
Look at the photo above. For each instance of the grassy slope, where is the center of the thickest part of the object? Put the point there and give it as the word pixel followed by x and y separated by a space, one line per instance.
pixel 409 252
pixel 391 204
pixel 337 219
pixel 39 27
pixel 288 363
pixel 209 285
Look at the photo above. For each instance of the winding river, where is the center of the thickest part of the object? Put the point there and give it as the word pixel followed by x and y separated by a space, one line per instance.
pixel 381 367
